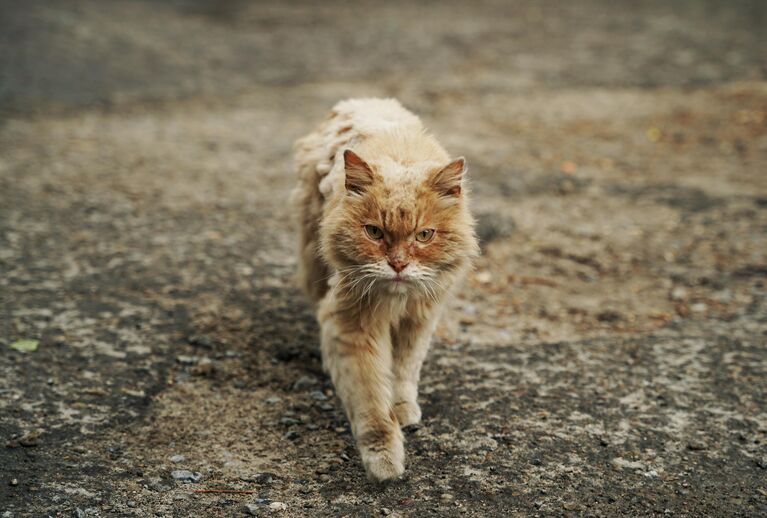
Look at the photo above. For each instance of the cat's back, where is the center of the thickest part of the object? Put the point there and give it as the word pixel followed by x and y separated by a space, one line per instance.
pixel 351 123
pixel 371 115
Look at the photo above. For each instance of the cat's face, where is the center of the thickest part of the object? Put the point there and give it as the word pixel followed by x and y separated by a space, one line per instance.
pixel 401 231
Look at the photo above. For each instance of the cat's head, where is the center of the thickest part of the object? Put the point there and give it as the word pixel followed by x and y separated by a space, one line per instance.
pixel 400 227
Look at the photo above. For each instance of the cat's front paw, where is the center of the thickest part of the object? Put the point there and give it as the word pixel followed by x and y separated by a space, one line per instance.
pixel 408 413
pixel 384 464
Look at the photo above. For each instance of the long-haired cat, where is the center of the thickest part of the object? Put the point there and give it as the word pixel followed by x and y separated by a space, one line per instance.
pixel 385 233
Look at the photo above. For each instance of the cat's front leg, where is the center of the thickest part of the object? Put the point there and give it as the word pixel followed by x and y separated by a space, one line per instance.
pixel 410 343
pixel 360 366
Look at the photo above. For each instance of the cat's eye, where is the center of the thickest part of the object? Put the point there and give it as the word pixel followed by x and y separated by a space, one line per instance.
pixel 425 235
pixel 373 231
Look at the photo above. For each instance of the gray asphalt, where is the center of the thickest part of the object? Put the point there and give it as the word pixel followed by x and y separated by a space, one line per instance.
pixel 606 358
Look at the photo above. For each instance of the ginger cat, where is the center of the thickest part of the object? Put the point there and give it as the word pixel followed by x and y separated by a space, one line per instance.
pixel 385 234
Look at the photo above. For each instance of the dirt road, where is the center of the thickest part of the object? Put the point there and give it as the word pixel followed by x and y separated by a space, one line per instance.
pixel 606 358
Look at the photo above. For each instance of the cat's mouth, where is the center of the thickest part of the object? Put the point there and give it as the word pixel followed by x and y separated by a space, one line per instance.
pixel 399 279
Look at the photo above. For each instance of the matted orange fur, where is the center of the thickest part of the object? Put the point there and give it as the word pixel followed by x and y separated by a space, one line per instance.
pixel 385 234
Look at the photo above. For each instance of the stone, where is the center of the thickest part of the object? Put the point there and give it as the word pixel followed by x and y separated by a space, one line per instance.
pixel 187 360
pixel 318 395
pixel 699 307
pixel 609 315
pixel 259 478
pixel 678 293
pixel 186 475
pixel 175 459
pixel 696 445
pixel 304 382
pixel 200 341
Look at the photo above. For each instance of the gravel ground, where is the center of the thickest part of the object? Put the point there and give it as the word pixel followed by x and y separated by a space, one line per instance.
pixel 607 356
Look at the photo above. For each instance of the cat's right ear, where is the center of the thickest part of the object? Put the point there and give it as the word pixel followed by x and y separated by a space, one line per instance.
pixel 359 175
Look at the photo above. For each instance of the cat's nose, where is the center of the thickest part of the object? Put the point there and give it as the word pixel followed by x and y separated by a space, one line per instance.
pixel 397 264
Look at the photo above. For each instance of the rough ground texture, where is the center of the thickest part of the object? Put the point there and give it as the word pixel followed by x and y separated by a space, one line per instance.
pixel 607 357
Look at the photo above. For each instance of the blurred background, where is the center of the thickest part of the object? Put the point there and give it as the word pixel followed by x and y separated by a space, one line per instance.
pixel 605 357
pixel 86 53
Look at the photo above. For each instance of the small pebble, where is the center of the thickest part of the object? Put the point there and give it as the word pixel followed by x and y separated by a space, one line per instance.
pixel 131 503
pixel 318 395
pixel 385 511
pixel 186 475
pixel 259 478
pixel 187 360
pixel 609 315
pixel 160 488
pixel 696 445
pixel 14 482
pixel 265 478
pixel 273 400
pixel 699 307
pixel 278 506
pixel 289 421
pixel 312 427
pixel 292 435
pixel 175 459
pixel 446 497
pixel 679 293
pixel 484 277
pixel 201 341
pixel 304 382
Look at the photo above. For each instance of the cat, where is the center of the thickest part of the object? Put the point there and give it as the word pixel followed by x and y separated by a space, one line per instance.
pixel 385 235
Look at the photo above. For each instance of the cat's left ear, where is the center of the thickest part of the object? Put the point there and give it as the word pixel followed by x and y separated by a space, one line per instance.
pixel 447 181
